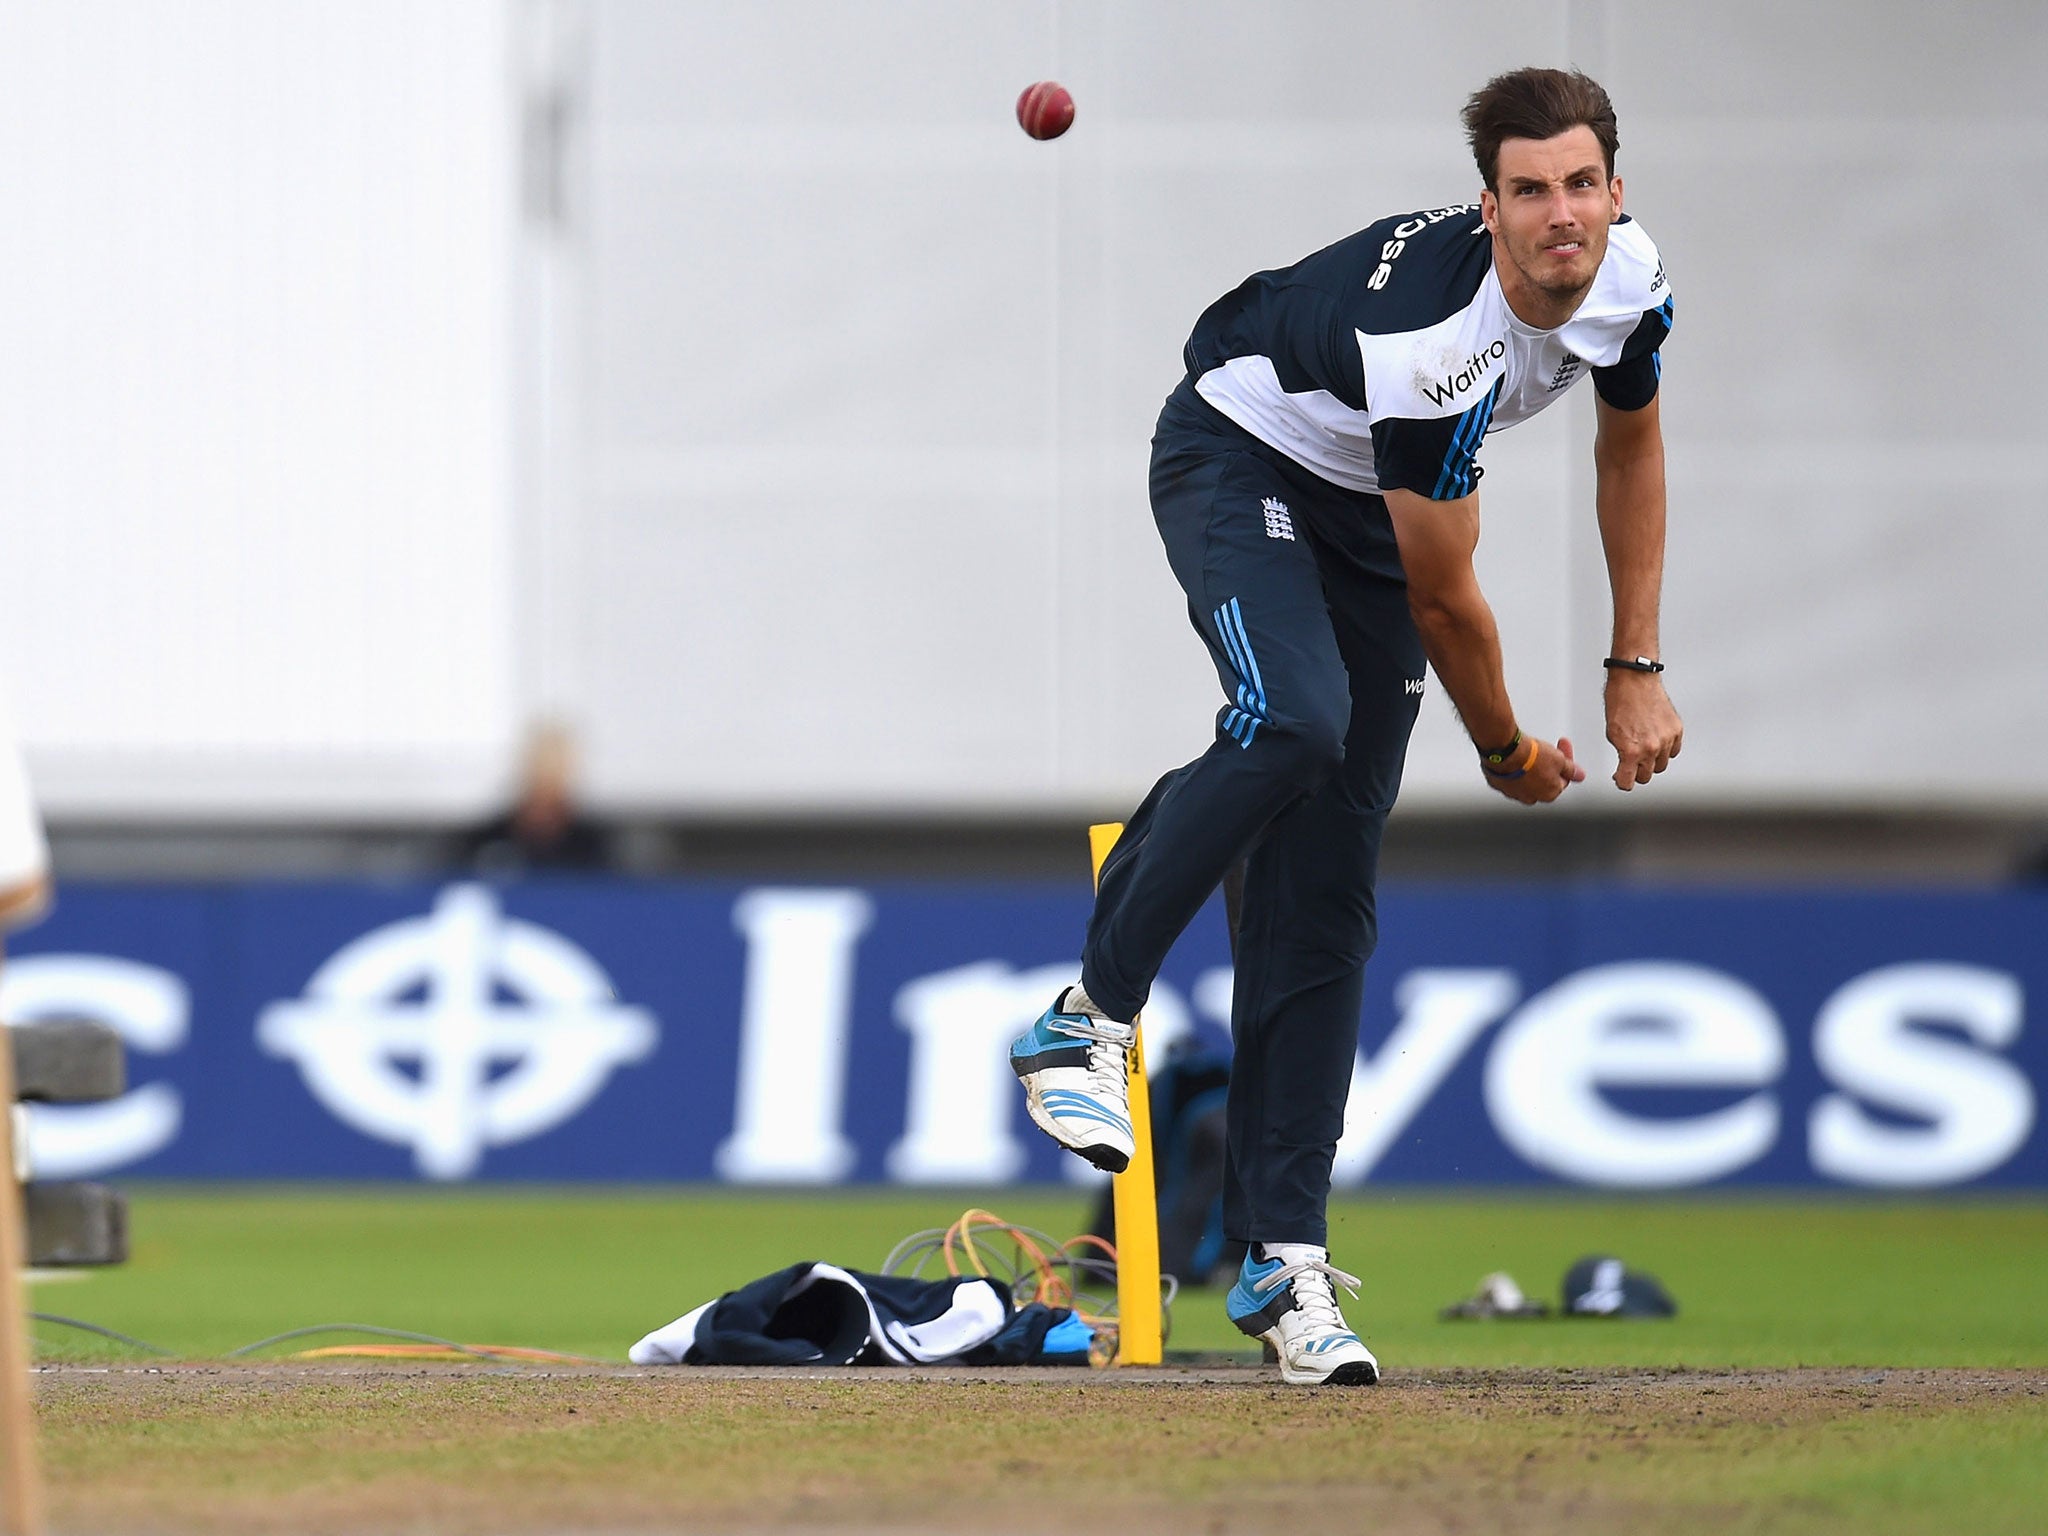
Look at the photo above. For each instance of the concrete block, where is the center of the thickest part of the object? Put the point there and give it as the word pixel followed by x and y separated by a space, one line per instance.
pixel 68 1061
pixel 76 1222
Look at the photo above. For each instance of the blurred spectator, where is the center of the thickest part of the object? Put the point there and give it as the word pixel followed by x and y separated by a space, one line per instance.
pixel 544 830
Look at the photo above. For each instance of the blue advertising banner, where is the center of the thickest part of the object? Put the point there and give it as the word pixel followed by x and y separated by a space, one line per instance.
pixel 605 1029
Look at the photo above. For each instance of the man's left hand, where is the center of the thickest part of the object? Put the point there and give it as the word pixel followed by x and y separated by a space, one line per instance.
pixel 1642 726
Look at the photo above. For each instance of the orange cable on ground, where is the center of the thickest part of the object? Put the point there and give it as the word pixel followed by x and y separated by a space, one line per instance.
pixel 443 1352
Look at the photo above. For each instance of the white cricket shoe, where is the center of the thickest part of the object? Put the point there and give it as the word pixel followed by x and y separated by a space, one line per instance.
pixel 1287 1299
pixel 1074 1066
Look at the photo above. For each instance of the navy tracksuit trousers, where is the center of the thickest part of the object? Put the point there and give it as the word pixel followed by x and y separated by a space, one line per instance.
pixel 1295 585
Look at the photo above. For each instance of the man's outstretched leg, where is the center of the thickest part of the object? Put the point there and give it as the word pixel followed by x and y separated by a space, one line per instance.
pixel 1258 603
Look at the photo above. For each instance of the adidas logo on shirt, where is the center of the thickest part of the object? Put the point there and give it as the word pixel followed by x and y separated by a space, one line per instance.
pixel 1279 522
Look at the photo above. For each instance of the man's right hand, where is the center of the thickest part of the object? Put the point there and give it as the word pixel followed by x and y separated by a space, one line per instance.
pixel 1544 780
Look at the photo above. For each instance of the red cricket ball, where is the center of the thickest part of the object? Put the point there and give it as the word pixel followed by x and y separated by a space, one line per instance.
pixel 1045 110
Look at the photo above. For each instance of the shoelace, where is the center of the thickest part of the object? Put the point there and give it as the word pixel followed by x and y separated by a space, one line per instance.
pixel 1109 1043
pixel 1313 1295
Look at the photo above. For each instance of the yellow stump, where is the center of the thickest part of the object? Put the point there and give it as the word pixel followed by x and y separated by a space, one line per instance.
pixel 1139 1331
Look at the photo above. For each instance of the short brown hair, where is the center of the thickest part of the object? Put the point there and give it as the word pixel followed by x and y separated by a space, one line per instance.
pixel 1536 104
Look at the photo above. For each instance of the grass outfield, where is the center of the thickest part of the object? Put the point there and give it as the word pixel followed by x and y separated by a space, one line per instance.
pixel 1759 1282
pixel 1696 1425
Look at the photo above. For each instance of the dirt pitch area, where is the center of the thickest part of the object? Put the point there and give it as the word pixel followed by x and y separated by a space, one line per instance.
pixel 536 1451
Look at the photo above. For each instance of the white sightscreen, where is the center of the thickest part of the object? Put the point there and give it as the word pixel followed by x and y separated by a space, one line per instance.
pixel 256 387
pixel 793 444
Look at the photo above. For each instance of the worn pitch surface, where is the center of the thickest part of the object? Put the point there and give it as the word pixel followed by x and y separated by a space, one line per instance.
pixel 463 1449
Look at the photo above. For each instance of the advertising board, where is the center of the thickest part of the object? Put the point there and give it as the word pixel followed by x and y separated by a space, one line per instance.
pixel 1589 1035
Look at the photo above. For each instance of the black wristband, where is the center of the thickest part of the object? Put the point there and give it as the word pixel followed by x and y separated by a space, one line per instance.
pixel 1500 755
pixel 1632 664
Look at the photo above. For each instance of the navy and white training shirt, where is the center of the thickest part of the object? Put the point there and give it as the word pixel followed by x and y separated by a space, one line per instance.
pixel 1381 362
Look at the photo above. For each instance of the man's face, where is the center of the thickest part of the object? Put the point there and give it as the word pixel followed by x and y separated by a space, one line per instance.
pixel 1551 214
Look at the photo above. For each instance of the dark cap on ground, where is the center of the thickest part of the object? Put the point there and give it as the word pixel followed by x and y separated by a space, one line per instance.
pixel 1602 1286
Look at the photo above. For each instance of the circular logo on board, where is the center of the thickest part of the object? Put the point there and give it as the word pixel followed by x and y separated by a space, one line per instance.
pixel 457 1031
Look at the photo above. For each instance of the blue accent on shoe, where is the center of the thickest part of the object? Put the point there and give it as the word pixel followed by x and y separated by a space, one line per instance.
pixel 1030 1046
pixel 1042 1036
pixel 1243 1301
pixel 1042 1039
pixel 1067 1104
